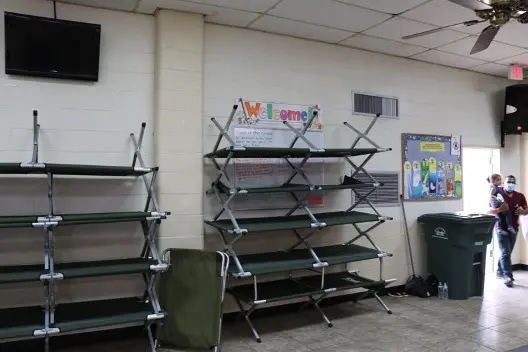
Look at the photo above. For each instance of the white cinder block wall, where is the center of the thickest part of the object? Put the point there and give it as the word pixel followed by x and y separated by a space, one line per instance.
pixel 158 69
pixel 80 123
pixel 433 99
pixel 179 80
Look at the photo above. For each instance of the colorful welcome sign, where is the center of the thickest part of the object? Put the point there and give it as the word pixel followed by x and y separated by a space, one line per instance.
pixel 254 112
pixel 261 124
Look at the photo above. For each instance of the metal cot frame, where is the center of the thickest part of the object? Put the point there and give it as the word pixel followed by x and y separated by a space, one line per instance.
pixel 237 233
pixel 150 225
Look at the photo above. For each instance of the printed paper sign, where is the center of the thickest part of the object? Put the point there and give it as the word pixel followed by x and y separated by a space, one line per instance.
pixel 455 145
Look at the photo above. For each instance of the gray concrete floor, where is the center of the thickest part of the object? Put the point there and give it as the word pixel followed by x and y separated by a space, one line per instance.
pixel 496 322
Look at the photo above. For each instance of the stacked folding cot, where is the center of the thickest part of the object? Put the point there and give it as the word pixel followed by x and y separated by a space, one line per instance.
pixel 231 229
pixel 52 318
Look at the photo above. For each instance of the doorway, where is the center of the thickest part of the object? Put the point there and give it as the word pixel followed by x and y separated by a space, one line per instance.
pixel 477 165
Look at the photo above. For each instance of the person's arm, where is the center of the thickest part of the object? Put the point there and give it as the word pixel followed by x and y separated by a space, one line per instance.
pixel 523 207
pixel 495 211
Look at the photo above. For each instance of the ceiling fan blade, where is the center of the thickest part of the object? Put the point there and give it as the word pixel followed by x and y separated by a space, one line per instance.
pixel 472 4
pixel 431 31
pixel 485 39
pixel 435 30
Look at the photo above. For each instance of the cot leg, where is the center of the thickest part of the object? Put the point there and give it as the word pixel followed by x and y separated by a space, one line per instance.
pixel 328 322
pixel 382 303
pixel 315 303
pixel 246 314
pixel 252 327
pixel 152 341
pixel 47 344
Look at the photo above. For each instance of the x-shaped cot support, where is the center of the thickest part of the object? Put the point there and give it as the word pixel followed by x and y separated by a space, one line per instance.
pixel 221 171
pixel 357 169
pixel 149 226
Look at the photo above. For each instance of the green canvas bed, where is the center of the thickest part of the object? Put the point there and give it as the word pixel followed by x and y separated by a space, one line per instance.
pixel 280 290
pixel 73 170
pixel 88 315
pixel 254 152
pixel 77 219
pixel 294 222
pixel 341 281
pixel 22 322
pixel 291 188
pixel 28 273
pixel 301 259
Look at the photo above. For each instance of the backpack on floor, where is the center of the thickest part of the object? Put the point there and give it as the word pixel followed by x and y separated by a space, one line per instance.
pixel 432 282
pixel 417 286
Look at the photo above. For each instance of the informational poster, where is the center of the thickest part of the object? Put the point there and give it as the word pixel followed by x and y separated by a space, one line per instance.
pixel 261 124
pixel 431 167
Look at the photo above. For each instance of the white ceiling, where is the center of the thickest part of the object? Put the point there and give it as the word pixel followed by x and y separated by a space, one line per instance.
pixel 375 25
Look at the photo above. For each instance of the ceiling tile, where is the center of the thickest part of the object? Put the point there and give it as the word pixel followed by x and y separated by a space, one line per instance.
pixel 299 29
pixel 397 28
pixel 122 5
pixel 384 46
pixel 496 50
pixel 214 14
pixel 513 33
pixel 444 13
pixel 492 69
pixel 232 17
pixel 245 5
pixel 329 13
pixel 519 60
pixel 390 6
pixel 447 59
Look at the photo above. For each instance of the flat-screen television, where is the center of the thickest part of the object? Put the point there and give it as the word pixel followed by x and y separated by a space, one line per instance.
pixel 47 47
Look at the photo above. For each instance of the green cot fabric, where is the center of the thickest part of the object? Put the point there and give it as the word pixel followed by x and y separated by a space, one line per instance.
pixel 67 169
pixel 256 152
pixel 190 293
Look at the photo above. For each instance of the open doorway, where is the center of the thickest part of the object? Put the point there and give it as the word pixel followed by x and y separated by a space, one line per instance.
pixel 477 165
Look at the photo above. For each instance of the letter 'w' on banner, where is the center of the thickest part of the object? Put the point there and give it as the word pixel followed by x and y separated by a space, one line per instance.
pixel 455 145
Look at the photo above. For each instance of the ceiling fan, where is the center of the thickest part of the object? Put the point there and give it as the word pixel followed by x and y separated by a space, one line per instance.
pixel 496 12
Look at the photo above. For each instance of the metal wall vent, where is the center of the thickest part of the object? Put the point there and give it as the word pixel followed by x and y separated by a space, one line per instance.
pixel 387 195
pixel 369 104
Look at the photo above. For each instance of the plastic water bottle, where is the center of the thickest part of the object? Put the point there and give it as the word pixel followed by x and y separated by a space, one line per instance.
pixel 446 291
pixel 440 290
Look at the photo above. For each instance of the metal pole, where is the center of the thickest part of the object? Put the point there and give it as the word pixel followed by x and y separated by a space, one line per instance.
pixel 407 234
pixel 36 129
pixel 141 134
pixel 50 195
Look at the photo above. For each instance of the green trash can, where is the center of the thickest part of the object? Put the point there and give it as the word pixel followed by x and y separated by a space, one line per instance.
pixel 456 250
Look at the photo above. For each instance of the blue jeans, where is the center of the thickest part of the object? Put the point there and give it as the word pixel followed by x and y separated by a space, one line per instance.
pixel 506 243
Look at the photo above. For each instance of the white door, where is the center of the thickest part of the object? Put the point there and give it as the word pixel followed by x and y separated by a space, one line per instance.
pixel 477 165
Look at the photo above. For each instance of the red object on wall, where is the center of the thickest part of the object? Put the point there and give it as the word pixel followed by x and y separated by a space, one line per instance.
pixel 516 73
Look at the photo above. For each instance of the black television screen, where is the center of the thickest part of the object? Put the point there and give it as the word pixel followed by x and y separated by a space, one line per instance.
pixel 47 47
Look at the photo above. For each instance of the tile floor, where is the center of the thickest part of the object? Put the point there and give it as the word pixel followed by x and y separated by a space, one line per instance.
pixel 496 322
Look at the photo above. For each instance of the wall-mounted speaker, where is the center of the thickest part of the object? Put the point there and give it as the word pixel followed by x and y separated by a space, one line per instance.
pixel 515 120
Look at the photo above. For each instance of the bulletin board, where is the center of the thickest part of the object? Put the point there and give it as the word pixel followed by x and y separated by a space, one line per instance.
pixel 431 167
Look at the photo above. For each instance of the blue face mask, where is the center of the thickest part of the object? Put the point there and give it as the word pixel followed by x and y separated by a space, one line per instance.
pixel 510 187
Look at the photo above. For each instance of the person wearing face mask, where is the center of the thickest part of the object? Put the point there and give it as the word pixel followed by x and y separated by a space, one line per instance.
pixel 515 204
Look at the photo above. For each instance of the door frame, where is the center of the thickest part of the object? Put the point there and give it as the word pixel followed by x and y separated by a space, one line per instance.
pixel 494 167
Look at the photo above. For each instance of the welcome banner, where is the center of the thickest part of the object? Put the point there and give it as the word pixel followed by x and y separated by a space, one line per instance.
pixel 261 112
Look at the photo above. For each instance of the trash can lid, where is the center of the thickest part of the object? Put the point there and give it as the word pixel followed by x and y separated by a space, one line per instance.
pixel 458 217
